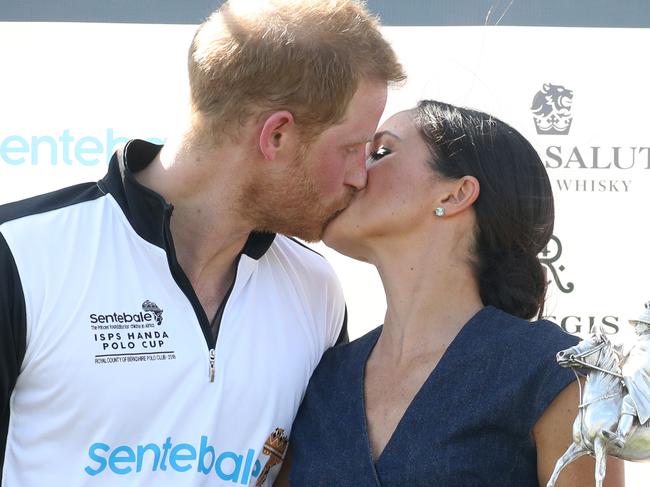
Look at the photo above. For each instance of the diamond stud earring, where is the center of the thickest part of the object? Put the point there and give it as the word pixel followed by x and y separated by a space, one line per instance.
pixel 440 211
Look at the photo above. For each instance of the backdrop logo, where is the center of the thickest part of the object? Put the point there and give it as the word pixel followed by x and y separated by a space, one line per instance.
pixel 594 168
pixel 65 148
pixel 575 322
pixel 552 110
pixel 550 257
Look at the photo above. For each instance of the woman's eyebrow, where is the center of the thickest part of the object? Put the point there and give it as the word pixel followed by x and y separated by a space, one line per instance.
pixel 380 134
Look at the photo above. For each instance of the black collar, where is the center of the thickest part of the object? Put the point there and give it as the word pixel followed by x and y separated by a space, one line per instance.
pixel 146 210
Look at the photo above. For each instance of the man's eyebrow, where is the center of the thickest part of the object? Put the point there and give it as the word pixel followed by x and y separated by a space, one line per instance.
pixel 380 134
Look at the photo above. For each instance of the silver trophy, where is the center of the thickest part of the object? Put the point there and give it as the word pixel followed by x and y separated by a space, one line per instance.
pixel 615 402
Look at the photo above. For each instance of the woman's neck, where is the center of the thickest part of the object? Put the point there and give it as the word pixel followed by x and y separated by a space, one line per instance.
pixel 429 297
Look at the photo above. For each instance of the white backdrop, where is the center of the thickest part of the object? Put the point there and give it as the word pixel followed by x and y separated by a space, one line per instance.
pixel 70 92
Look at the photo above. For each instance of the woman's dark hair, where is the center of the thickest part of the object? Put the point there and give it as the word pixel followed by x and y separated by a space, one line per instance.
pixel 514 210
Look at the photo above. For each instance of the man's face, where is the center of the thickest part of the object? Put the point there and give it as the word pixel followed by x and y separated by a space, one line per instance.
pixel 327 172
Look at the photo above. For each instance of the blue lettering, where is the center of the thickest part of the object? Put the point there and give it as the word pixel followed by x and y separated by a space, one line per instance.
pixel 205 448
pixel 93 146
pixel 111 142
pixel 156 456
pixel 166 446
pixel 65 139
pixel 96 458
pixel 247 467
pixel 234 475
pixel 258 468
pixel 115 458
pixel 5 149
pixel 36 142
pixel 87 150
pixel 176 457
pixel 124 459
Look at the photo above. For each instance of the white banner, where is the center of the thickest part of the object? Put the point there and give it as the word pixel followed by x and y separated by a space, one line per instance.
pixel 70 92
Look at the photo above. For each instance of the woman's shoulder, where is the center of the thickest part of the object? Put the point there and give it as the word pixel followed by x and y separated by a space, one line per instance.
pixel 343 362
pixel 511 331
pixel 339 357
pixel 340 370
pixel 526 360
pixel 527 349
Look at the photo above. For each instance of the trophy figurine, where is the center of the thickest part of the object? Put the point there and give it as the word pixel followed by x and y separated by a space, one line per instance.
pixel 276 447
pixel 614 404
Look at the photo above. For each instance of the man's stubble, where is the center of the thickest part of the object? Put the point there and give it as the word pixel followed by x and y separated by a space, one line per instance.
pixel 290 203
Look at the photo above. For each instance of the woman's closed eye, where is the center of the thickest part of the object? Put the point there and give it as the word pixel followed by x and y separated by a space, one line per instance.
pixel 382 151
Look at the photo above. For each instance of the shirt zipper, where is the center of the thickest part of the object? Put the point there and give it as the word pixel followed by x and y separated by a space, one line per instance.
pixel 215 324
pixel 212 365
pixel 186 286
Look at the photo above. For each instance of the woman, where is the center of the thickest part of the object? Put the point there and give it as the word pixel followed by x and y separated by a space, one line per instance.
pixel 457 388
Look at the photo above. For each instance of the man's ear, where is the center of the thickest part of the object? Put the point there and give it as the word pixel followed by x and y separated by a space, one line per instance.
pixel 461 195
pixel 277 128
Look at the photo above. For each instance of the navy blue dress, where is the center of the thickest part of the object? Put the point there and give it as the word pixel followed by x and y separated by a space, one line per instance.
pixel 469 425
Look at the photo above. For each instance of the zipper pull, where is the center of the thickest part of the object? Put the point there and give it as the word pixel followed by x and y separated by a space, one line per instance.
pixel 212 365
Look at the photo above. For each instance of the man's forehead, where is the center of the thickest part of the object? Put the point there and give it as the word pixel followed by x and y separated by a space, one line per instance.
pixel 362 140
pixel 364 111
pixel 349 141
pixel 351 132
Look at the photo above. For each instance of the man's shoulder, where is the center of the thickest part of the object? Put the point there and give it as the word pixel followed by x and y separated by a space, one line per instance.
pixel 51 201
pixel 299 247
pixel 302 257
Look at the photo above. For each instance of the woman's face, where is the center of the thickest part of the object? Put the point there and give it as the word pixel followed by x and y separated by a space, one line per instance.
pixel 400 194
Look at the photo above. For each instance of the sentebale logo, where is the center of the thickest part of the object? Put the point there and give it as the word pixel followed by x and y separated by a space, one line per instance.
pixel 169 456
pixel 153 308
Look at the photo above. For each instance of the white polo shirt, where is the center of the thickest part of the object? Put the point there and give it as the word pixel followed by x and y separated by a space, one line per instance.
pixel 109 370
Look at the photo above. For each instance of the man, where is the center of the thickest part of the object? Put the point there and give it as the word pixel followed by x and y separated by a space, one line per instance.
pixel 155 328
pixel 635 408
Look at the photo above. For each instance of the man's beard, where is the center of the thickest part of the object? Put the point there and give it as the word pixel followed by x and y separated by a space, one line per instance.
pixel 290 204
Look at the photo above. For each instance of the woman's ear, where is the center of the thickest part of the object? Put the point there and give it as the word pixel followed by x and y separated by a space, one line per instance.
pixel 462 194
pixel 277 128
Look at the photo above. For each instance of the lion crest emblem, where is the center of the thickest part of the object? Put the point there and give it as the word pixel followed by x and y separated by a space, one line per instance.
pixel 150 306
pixel 552 110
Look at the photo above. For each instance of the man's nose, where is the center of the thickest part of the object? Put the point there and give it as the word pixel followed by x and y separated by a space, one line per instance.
pixel 357 174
